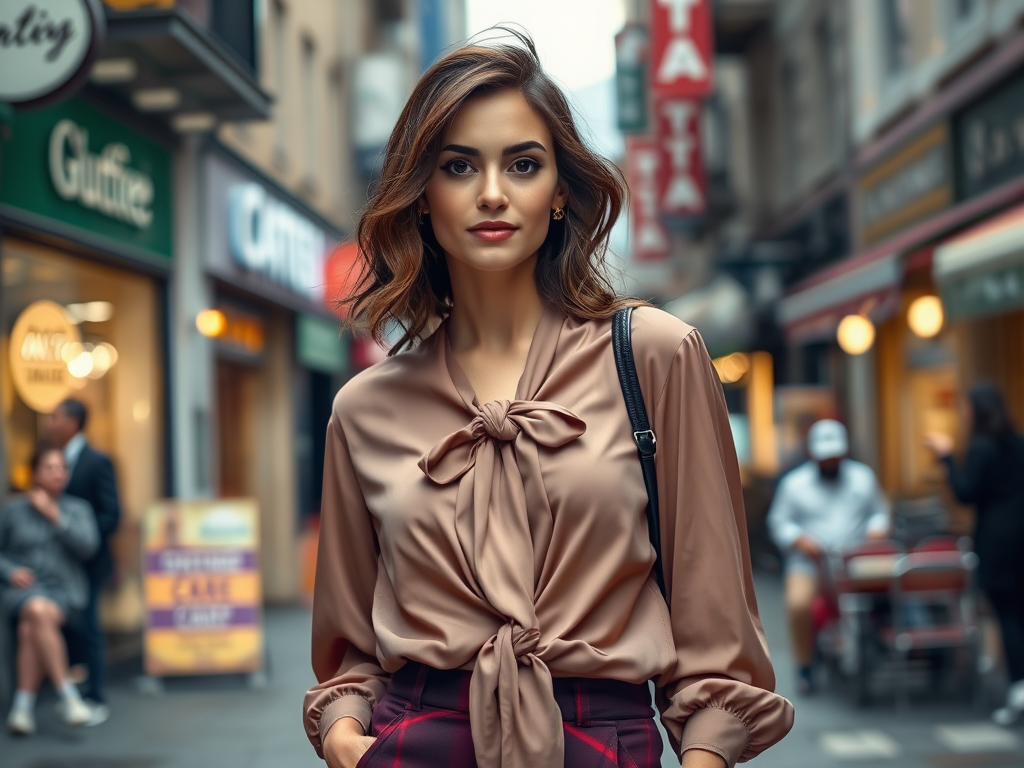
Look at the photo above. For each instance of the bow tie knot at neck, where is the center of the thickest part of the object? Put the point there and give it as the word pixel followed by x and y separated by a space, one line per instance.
pixel 500 423
pixel 494 417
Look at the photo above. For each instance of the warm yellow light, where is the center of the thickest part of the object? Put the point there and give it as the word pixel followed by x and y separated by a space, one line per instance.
pixel 81 366
pixel 211 322
pixel 104 357
pixel 732 368
pixel 925 316
pixel 856 334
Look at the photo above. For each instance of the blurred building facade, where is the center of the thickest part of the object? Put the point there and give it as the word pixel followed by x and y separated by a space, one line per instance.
pixel 199 309
pixel 882 180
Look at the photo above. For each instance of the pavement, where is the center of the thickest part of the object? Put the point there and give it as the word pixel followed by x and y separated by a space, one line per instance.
pixel 223 722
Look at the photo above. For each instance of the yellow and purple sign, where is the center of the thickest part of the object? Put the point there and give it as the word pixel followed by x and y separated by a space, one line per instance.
pixel 203 590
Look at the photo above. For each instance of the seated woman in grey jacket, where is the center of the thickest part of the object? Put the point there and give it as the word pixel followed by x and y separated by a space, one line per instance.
pixel 44 536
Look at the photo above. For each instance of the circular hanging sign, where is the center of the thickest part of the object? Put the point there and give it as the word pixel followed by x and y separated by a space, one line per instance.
pixel 39 348
pixel 47 48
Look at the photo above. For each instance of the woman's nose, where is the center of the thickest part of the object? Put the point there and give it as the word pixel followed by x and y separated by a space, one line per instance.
pixel 492 193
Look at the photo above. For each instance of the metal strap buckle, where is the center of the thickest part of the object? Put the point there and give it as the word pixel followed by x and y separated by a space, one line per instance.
pixel 646 442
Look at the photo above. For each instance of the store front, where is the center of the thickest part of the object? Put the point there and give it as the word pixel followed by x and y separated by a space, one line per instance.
pixel 278 354
pixel 980 272
pixel 86 221
pixel 892 385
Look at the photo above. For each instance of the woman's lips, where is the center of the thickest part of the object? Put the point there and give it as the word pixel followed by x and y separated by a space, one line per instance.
pixel 493 232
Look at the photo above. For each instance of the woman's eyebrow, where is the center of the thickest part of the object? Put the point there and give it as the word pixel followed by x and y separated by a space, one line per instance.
pixel 462 149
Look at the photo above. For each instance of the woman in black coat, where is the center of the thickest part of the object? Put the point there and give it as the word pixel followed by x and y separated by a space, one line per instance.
pixel 992 479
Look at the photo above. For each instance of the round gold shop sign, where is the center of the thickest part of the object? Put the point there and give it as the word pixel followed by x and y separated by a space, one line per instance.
pixel 39 343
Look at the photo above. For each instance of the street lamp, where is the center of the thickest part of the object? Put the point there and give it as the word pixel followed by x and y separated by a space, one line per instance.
pixel 856 334
pixel 925 316
pixel 211 323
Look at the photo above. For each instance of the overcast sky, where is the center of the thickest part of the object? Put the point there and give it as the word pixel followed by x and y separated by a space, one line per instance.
pixel 575 38
pixel 576 43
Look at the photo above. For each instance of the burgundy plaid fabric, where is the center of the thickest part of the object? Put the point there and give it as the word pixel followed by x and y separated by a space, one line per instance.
pixel 423 722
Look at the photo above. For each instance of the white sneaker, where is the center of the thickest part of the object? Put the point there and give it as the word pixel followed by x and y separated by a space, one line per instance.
pixel 21 721
pixel 75 712
pixel 99 714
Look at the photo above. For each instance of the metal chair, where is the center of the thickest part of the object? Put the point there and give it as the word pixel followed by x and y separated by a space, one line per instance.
pixel 937 584
pixel 862 577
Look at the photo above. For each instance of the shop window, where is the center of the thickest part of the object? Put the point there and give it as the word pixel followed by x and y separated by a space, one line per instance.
pixel 112 362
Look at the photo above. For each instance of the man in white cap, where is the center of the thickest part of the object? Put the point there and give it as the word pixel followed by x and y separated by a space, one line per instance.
pixel 828 503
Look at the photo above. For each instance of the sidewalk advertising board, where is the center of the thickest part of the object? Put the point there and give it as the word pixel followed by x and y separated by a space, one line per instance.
pixel 203 590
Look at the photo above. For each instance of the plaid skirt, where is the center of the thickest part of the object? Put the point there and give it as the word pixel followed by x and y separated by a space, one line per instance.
pixel 423 722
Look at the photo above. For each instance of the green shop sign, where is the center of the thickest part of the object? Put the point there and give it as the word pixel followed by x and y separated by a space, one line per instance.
pixel 319 345
pixel 76 165
pixel 988 293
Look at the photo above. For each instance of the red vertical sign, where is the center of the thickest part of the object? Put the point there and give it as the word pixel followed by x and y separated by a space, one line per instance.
pixel 683 188
pixel 648 238
pixel 681 48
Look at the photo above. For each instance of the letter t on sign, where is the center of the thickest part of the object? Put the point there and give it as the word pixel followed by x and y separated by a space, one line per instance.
pixel 681 47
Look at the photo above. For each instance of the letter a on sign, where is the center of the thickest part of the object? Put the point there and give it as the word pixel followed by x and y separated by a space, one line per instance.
pixel 681 46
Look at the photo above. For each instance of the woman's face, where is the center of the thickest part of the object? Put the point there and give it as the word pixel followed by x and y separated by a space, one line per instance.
pixel 495 184
pixel 52 475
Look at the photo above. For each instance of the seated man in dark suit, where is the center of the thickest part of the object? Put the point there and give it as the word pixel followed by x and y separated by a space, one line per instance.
pixel 91 478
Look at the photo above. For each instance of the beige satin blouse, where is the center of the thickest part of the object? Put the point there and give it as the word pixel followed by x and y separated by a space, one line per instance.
pixel 510 538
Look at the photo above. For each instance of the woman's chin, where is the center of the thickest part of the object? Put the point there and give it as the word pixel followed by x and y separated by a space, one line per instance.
pixel 493 258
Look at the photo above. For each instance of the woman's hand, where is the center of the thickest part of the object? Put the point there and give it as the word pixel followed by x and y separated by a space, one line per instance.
pixel 701 758
pixel 939 444
pixel 345 743
pixel 44 505
pixel 22 578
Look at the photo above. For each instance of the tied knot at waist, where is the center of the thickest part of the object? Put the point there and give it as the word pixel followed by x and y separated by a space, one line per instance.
pixel 500 422
pixel 519 723
pixel 523 641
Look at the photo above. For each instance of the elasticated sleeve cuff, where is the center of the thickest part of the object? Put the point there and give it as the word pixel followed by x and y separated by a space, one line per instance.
pixel 716 730
pixel 353 706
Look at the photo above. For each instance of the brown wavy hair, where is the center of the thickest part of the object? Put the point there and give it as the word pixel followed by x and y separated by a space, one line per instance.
pixel 404 275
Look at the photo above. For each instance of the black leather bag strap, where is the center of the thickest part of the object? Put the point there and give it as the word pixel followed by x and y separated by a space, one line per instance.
pixel 643 436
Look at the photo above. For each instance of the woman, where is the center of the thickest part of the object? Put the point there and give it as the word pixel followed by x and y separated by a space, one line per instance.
pixel 44 537
pixel 484 592
pixel 992 479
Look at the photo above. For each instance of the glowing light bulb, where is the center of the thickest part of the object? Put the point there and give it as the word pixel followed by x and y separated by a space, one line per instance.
pixel 856 334
pixel 211 322
pixel 925 316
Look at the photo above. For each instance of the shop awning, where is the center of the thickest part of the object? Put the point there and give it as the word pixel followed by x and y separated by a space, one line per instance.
pixel 813 310
pixel 981 272
pixel 171 55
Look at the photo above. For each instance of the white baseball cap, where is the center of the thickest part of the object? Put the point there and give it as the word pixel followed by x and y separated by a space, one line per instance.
pixel 827 440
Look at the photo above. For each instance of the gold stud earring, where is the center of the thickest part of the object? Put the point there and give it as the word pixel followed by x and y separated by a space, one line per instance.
pixel 558 214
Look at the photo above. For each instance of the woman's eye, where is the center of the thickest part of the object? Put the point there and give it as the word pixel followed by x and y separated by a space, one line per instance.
pixel 525 165
pixel 458 167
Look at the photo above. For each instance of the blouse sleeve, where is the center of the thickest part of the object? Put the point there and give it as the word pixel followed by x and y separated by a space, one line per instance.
pixel 350 677
pixel 719 695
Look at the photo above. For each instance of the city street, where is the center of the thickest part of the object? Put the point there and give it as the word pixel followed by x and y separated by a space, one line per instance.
pixel 197 723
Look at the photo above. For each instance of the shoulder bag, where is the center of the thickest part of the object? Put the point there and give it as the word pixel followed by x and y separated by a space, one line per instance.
pixel 643 435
